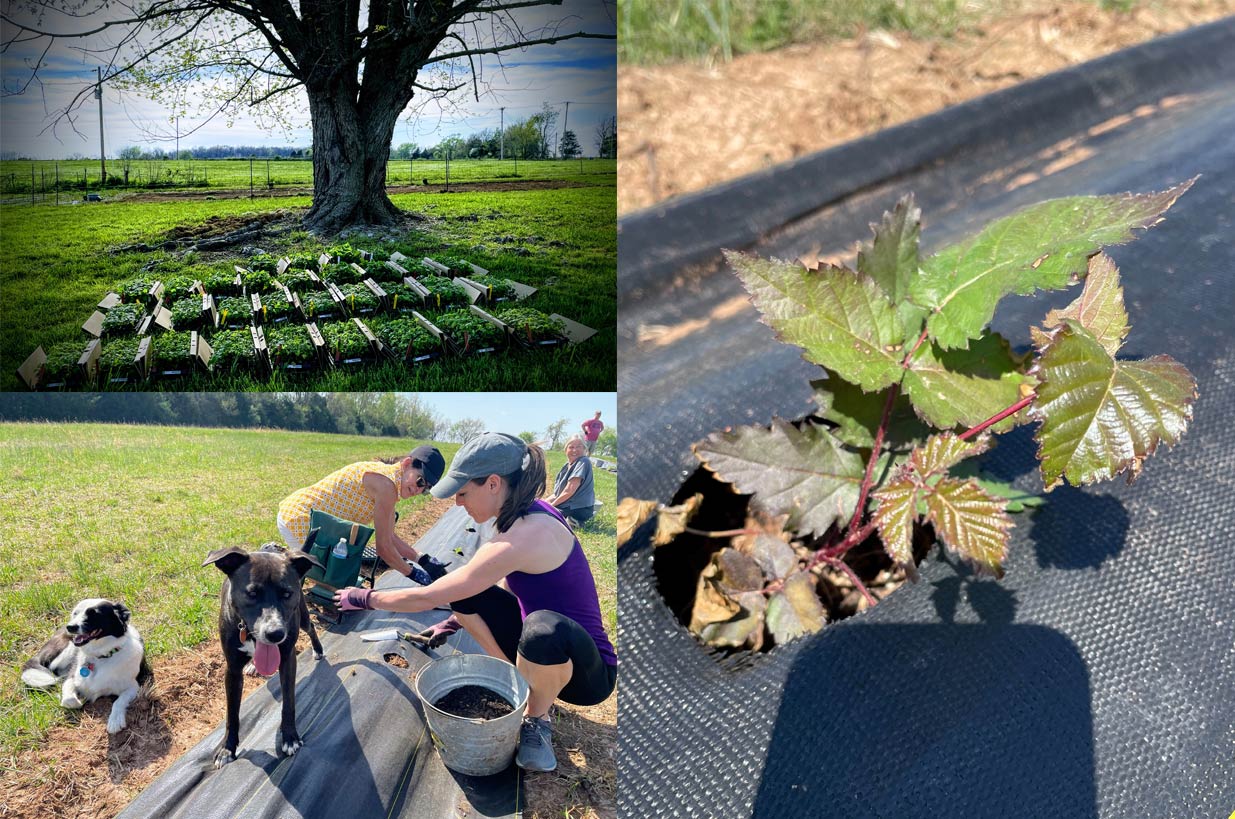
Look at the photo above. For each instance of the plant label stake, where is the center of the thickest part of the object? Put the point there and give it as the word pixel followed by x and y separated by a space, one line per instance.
pixel 31 370
pixel 109 301
pixel 94 324
pixel 89 361
pixel 575 331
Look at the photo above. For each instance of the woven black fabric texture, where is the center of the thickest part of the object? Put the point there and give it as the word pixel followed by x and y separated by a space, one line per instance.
pixel 1096 679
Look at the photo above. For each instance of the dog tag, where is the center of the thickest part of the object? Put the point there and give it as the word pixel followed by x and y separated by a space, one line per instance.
pixel 85 671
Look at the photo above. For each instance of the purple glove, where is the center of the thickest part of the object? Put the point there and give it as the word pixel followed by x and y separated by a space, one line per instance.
pixel 436 635
pixel 352 599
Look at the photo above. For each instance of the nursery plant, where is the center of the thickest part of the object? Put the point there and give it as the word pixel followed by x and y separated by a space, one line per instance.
pixel 264 262
pixel 304 260
pixel 345 253
pixel 345 341
pixel 402 298
pixel 116 356
pixel 61 364
pixel 136 289
pixel 234 311
pixel 379 272
pixel 220 282
pixel 256 281
pixel 531 325
pixel 913 383
pixel 233 351
pixel 122 319
pixel 359 299
pixel 187 313
pixel 297 279
pixel 315 303
pixel 341 273
pixel 289 344
pixel 468 330
pixel 444 292
pixel 498 288
pixel 405 337
pixel 276 307
pixel 170 351
pixel 178 286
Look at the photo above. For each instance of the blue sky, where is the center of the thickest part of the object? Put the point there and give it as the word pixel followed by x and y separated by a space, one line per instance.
pixel 516 412
pixel 583 71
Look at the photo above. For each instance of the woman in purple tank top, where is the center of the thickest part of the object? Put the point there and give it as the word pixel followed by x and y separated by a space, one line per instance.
pixel 546 620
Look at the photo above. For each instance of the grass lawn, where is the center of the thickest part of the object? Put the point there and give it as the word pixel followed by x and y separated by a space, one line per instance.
pixel 196 174
pixel 129 512
pixel 57 263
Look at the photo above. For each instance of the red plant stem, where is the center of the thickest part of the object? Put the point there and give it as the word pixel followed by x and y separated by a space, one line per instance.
pixel 995 419
pixel 874 458
pixel 837 563
pixel 914 349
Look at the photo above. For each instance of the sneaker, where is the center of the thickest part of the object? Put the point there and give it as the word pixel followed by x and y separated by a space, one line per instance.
pixel 536 745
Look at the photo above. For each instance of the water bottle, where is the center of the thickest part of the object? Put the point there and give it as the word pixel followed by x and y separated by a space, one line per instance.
pixel 340 549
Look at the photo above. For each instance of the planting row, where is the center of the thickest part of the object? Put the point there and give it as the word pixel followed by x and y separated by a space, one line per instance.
pixel 296 348
pixel 251 321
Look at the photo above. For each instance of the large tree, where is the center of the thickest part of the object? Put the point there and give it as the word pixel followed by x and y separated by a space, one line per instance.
pixel 359 63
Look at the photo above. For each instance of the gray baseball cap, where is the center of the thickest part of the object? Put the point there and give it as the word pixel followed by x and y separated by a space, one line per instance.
pixel 490 453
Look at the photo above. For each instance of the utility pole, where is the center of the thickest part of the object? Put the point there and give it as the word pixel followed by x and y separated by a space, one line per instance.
pixel 502 150
pixel 565 119
pixel 98 94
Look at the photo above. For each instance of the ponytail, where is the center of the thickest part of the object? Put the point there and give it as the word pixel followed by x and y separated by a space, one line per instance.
pixel 525 486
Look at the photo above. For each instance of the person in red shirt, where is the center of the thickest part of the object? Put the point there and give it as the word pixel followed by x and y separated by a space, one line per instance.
pixel 591 431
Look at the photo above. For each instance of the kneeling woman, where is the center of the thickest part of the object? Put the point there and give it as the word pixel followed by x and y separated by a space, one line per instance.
pixel 547 620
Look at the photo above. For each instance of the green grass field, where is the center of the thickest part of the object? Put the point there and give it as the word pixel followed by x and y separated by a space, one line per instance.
pixel 16 176
pixel 57 265
pixel 129 512
pixel 660 31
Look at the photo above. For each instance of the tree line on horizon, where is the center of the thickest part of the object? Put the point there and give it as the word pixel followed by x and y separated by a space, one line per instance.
pixel 373 414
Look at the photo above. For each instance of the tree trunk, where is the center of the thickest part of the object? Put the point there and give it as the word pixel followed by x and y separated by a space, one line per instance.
pixel 350 150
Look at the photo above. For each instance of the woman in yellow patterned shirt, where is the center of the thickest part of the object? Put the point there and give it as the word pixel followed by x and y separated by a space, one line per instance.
pixel 365 492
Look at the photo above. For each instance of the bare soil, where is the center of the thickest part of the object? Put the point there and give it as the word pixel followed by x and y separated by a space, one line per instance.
pixel 78 771
pixel 685 127
pixel 474 702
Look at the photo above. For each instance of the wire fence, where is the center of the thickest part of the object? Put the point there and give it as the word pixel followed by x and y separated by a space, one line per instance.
pixel 41 181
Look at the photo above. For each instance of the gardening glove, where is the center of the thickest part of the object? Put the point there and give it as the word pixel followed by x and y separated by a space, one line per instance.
pixel 435 636
pixel 435 568
pixel 418 574
pixel 352 599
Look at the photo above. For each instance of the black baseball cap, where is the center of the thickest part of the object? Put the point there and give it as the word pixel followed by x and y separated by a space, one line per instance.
pixel 430 461
pixel 490 453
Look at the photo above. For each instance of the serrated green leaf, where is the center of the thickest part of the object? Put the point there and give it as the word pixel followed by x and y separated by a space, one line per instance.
pixel 1042 247
pixel 1015 500
pixel 891 258
pixel 805 474
pixel 965 387
pixel 795 610
pixel 970 522
pixel 1099 308
pixel 857 415
pixel 1100 416
pixel 944 451
pixel 894 518
pixel 840 318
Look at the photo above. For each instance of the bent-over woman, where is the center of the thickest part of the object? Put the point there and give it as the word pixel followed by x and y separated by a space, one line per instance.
pixel 366 492
pixel 547 620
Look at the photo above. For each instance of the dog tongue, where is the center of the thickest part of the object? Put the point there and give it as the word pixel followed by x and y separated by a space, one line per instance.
pixel 265 658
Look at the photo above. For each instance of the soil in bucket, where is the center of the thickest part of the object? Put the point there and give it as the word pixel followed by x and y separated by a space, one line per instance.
pixel 474 702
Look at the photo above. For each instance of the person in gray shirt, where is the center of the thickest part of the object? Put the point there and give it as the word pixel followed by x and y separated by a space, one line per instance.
pixel 573 491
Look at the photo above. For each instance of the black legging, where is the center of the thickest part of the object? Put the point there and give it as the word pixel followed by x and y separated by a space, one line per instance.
pixel 544 638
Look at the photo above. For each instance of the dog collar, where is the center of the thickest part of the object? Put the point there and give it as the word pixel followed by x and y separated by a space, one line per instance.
pixel 88 668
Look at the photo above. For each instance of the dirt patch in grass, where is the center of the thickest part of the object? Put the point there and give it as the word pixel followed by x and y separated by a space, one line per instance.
pixel 685 127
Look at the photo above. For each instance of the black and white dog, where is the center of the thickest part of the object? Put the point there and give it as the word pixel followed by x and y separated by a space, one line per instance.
pixel 261 612
pixel 98 654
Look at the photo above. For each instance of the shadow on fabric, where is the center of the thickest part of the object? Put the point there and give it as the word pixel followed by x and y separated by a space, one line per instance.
pixel 930 720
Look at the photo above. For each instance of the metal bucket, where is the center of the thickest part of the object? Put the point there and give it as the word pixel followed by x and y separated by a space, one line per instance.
pixel 478 747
